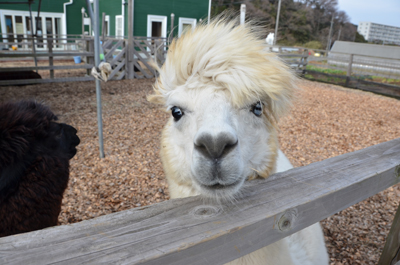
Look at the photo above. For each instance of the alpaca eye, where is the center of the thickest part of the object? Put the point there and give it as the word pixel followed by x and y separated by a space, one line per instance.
pixel 257 109
pixel 177 113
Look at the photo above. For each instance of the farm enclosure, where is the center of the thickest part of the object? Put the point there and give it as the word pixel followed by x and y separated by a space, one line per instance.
pixel 326 121
pixel 127 58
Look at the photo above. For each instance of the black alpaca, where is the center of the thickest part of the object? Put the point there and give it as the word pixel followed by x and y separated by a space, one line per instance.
pixel 34 166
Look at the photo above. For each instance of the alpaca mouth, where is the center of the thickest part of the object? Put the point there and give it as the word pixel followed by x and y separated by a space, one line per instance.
pixel 219 186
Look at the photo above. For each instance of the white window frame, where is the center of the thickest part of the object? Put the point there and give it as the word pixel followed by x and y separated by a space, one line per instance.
pixel 107 19
pixel 185 20
pixel 122 26
pixel 88 22
pixel 43 15
pixel 155 18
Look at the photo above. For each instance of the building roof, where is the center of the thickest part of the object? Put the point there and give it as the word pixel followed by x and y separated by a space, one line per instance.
pixel 385 51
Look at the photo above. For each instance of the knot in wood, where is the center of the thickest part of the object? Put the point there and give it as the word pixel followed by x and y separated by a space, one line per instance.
pixel 205 211
pixel 286 221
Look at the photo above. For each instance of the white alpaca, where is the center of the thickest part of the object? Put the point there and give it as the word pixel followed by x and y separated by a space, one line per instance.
pixel 270 39
pixel 226 93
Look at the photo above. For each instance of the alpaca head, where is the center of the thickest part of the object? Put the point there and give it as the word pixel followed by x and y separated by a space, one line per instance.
pixel 225 93
pixel 34 166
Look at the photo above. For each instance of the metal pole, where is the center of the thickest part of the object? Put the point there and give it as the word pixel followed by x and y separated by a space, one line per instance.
pixel 92 18
pixel 209 12
pixel 98 86
pixel 242 13
pixel 171 34
pixel 277 22
pixel 83 22
pixel 328 45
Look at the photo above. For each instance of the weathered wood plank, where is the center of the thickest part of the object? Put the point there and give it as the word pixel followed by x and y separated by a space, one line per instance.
pixel 186 231
pixel 117 58
pixel 121 75
pixel 50 46
pixel 44 54
pixel 54 67
pixel 391 251
pixel 113 48
pixel 130 44
pixel 136 74
pixel 148 44
pixel 140 58
pixel 42 81
pixel 142 49
pixel 159 53
pixel 107 43
pixel 116 69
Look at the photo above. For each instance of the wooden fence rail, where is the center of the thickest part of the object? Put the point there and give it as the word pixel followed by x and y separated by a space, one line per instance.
pixel 187 231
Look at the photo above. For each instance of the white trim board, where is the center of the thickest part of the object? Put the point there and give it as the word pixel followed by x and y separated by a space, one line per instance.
pixel 154 18
pixel 185 20
pixel 107 19
pixel 119 33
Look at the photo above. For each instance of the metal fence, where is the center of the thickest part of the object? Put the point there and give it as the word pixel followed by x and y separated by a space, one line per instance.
pixel 369 73
pixel 76 52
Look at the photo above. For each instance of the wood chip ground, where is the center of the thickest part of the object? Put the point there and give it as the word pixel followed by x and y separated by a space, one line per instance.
pixel 325 121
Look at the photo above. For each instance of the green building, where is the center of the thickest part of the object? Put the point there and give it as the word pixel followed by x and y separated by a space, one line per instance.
pixel 152 18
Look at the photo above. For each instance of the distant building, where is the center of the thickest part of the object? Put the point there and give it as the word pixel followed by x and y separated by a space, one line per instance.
pixel 151 18
pixel 365 49
pixel 374 31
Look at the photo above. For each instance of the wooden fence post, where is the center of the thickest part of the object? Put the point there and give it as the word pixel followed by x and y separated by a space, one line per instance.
pixel 348 76
pixel 275 208
pixel 303 62
pixel 50 46
pixel 90 48
pixel 103 27
pixel 130 47
pixel 391 251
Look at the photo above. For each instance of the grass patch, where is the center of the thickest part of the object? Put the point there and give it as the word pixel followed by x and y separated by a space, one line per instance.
pixel 373 78
pixel 326 70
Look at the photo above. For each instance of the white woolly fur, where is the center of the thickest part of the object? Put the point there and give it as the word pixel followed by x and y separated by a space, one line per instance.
pixel 229 93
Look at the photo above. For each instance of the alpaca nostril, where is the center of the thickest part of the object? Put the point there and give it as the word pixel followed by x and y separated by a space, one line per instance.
pixel 229 146
pixel 215 147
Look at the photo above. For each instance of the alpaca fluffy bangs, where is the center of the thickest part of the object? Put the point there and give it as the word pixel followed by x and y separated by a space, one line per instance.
pixel 226 55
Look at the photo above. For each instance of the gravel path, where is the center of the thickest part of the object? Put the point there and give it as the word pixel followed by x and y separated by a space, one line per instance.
pixel 325 121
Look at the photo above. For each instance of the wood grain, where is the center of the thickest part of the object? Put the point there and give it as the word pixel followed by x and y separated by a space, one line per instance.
pixel 391 251
pixel 187 231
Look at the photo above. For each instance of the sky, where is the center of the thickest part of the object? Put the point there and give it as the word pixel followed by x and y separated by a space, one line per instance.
pixel 385 12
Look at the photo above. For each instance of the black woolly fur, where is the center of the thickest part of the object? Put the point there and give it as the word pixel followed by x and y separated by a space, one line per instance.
pixel 34 166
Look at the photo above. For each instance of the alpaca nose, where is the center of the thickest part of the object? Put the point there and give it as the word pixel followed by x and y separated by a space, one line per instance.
pixel 216 146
